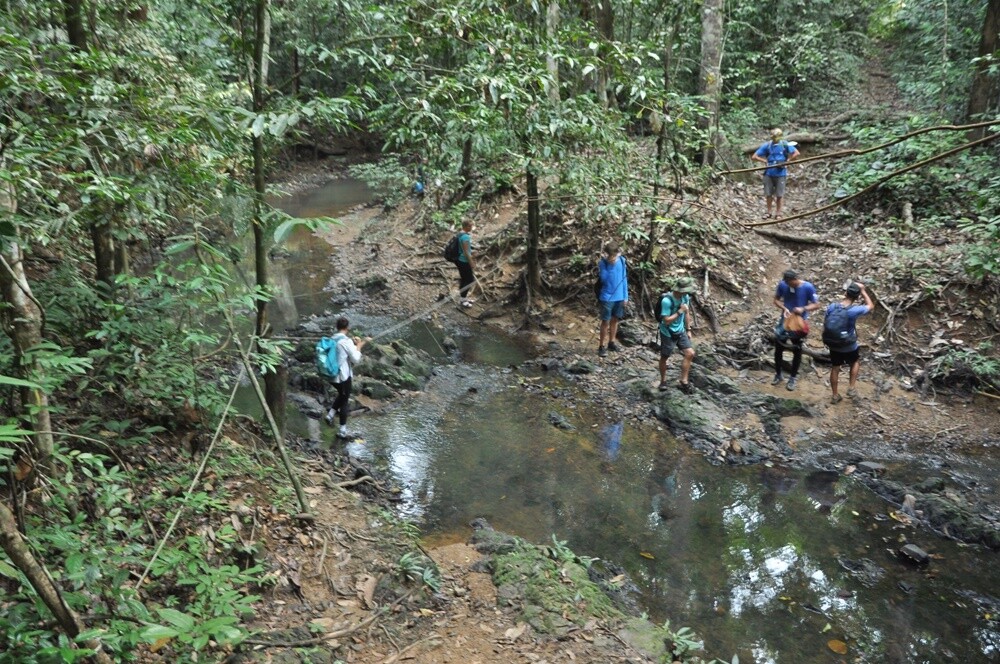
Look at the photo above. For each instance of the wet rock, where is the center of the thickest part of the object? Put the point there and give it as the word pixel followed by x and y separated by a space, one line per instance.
pixel 582 367
pixel 632 332
pixel 560 422
pixel 487 540
pixel 449 344
pixel 712 381
pixel 396 364
pixel 549 363
pixel 375 389
pixel 372 284
pixel 864 570
pixel 871 467
pixel 695 415
pixel 914 554
pixel 312 327
pixel 930 485
pixel 305 352
pixel 309 405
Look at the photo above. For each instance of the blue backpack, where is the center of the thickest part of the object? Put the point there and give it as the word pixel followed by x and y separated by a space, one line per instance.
pixel 326 357
pixel 784 153
pixel 837 330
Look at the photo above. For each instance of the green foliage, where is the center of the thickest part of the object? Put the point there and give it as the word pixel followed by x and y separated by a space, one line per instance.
pixel 387 178
pixel 415 567
pixel 680 642
pixel 975 365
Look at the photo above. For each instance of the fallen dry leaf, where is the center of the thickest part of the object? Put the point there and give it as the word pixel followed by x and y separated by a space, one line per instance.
pixel 836 646
pixel 366 589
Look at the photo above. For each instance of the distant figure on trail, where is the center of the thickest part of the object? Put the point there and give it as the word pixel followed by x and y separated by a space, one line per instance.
pixel 466 266
pixel 612 274
pixel 775 153
pixel 675 330
pixel 420 184
pixel 343 353
pixel 797 298
pixel 840 335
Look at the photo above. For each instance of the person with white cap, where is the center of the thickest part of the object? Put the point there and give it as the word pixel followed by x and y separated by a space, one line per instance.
pixel 776 153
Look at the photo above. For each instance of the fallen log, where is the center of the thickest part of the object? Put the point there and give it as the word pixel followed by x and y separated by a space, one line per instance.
pixel 799 239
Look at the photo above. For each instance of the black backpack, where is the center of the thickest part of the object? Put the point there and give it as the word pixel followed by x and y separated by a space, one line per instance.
pixel 837 332
pixel 452 249
pixel 658 311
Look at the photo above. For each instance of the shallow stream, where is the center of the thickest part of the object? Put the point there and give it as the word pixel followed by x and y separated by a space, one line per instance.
pixel 774 564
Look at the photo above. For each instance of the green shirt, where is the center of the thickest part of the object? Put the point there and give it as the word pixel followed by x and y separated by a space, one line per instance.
pixel 670 306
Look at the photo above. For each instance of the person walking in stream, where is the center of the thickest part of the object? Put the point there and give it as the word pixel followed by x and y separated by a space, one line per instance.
pixel 466 265
pixel 341 353
pixel 675 330
pixel 840 335
pixel 612 295
pixel 776 153
pixel 795 297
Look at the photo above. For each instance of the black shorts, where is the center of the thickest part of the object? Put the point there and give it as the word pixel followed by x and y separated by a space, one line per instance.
pixel 839 359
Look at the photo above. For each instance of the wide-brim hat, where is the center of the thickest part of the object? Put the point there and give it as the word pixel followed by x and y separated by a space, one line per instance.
pixel 685 285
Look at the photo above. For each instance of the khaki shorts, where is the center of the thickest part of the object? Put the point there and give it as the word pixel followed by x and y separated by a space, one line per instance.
pixel 774 185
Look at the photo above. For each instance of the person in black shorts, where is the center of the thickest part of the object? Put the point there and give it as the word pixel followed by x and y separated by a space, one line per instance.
pixel 841 336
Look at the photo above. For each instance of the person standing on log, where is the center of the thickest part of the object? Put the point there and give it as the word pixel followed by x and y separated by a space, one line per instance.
pixel 794 297
pixel 776 153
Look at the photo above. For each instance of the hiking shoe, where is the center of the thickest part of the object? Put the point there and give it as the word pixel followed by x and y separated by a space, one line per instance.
pixel 602 351
pixel 852 393
pixel 836 398
pixel 791 384
pixel 685 387
pixel 330 416
pixel 777 379
pixel 345 434
pixel 663 386
pixel 612 346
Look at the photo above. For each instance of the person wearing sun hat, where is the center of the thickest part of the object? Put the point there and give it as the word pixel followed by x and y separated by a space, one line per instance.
pixel 675 330
pixel 776 153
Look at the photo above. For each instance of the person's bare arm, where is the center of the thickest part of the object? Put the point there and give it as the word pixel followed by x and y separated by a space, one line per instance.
pixel 867 298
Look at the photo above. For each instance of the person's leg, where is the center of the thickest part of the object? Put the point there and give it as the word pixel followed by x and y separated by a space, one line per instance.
pixel 834 379
pixel 666 350
pixel 779 194
pixel 605 309
pixel 855 369
pixel 779 352
pixel 342 403
pixel 796 361
pixel 465 279
pixel 663 369
pixel 605 328
pixel 617 313
pixel 686 365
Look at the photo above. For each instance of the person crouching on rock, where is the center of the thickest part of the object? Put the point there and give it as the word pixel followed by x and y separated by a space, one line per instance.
pixel 841 336
pixel 675 330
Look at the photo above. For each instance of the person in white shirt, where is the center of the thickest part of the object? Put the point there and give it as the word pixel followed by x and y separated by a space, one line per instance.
pixel 345 353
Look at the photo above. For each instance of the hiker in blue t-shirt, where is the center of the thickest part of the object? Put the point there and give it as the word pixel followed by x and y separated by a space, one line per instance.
pixel 792 296
pixel 465 264
pixel 612 297
pixel 675 330
pixel 849 352
pixel 775 153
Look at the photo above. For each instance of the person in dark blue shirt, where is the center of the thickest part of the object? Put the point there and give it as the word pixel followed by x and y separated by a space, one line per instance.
pixel 792 296
pixel 776 153
pixel 848 353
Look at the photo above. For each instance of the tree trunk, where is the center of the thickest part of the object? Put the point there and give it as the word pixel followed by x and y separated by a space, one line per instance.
pixel 711 73
pixel 25 330
pixel 16 549
pixel 984 85
pixel 104 252
pixel 274 386
pixel 605 15
pixel 74 24
pixel 551 31
pixel 534 281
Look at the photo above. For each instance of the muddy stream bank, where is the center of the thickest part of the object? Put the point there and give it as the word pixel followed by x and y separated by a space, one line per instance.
pixel 772 560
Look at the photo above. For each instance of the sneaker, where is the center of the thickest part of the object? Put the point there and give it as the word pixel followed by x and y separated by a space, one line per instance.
pixel 663 386
pixel 836 398
pixel 852 393
pixel 613 347
pixel 777 379
pixel 466 303
pixel 602 351
pixel 345 434
pixel 791 384
pixel 330 416
pixel 684 387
